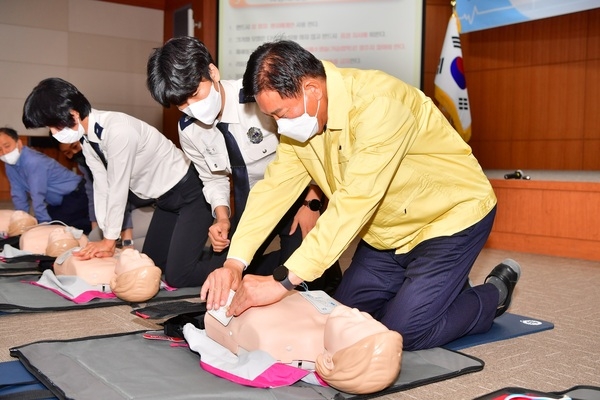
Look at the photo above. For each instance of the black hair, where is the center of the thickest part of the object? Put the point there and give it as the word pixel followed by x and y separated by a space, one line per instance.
pixel 176 69
pixel 280 66
pixel 50 104
pixel 10 132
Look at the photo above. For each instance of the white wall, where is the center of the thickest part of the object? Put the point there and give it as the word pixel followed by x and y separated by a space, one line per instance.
pixel 100 47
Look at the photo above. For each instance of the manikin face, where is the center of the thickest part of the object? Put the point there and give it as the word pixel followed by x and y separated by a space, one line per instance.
pixel 131 259
pixel 346 326
pixel 136 277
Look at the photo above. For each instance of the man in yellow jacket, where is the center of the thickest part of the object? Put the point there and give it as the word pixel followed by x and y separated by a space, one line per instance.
pixel 396 174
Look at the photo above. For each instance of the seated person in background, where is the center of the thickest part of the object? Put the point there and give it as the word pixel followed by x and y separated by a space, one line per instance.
pixel 350 350
pixel 217 125
pixel 55 192
pixel 127 155
pixel 73 151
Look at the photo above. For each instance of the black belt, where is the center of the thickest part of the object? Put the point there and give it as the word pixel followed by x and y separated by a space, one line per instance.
pixel 191 171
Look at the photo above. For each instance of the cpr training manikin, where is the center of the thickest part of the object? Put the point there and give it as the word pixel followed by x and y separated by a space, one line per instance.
pixel 349 350
pixel 15 222
pixel 132 275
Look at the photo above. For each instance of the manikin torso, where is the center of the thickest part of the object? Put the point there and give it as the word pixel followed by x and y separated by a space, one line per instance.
pixel 35 239
pixel 293 329
pixel 289 330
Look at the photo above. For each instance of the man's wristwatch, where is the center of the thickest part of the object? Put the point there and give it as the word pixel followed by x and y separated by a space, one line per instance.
pixel 280 274
pixel 314 204
pixel 127 242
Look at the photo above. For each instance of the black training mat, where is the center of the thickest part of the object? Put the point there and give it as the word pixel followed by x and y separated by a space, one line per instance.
pixel 581 392
pixel 22 267
pixel 16 295
pixel 127 366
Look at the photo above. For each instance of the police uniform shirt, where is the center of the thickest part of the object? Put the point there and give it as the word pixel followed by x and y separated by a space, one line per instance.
pixel 254 132
pixel 138 157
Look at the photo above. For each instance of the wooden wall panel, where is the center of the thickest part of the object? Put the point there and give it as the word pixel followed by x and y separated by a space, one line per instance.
pixel 593 38
pixel 591 155
pixel 535 85
pixel 591 102
pixel 535 126
pixel 547 217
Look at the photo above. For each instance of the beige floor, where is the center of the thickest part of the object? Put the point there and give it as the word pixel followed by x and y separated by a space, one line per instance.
pixel 563 291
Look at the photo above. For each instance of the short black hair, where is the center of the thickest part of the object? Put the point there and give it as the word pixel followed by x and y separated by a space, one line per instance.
pixel 280 66
pixel 50 104
pixel 176 69
pixel 10 132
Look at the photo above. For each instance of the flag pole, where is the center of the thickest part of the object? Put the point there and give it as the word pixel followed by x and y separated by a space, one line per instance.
pixel 453 4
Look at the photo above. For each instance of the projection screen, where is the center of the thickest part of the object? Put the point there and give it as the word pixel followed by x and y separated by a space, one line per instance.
pixel 367 34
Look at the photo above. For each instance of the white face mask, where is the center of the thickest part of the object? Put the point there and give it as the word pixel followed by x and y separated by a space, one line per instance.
pixel 206 110
pixel 300 128
pixel 12 157
pixel 68 135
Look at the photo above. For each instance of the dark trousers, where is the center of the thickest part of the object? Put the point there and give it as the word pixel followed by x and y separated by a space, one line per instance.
pixel 177 232
pixel 419 294
pixel 73 210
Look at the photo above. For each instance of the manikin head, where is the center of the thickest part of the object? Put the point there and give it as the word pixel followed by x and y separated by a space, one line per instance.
pixel 4 221
pixel 136 277
pixel 361 355
pixel 19 222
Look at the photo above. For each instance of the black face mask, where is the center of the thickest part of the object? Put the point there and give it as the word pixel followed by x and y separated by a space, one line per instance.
pixel 79 158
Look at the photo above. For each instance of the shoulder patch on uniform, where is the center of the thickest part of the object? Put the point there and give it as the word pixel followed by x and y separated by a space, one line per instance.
pixel 185 121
